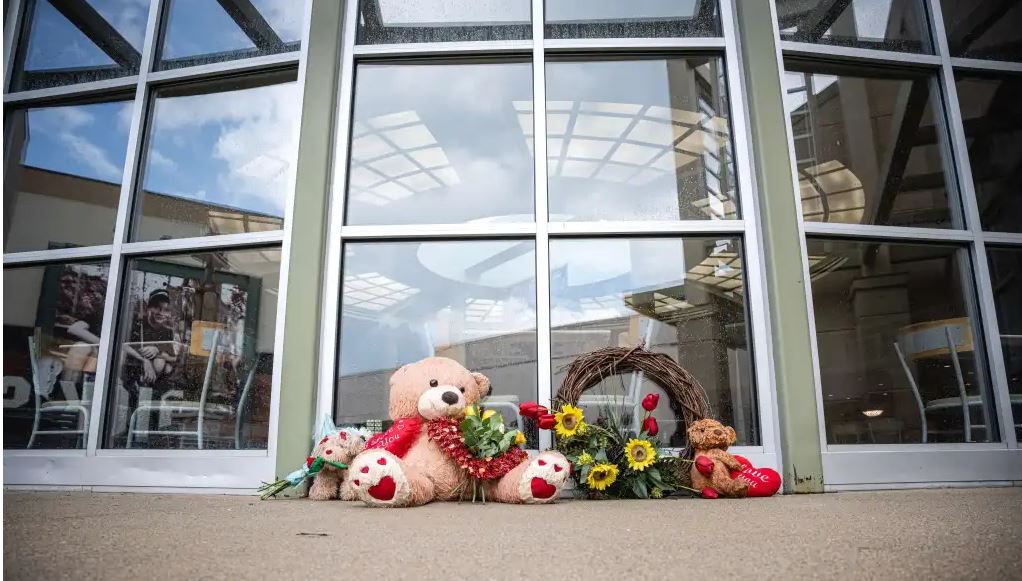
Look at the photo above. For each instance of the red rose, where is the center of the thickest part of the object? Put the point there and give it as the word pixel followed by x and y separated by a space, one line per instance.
pixel 650 426
pixel 650 401
pixel 547 421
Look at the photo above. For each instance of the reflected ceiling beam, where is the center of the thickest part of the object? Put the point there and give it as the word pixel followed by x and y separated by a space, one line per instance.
pixel 1003 111
pixel 905 120
pixel 982 17
pixel 85 18
pixel 497 260
pixel 820 20
pixel 252 23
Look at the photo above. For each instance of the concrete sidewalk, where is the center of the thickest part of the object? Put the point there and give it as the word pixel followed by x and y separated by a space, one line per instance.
pixel 923 534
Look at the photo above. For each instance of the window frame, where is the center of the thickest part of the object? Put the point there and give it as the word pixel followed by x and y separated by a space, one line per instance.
pixel 856 466
pixel 94 465
pixel 542 230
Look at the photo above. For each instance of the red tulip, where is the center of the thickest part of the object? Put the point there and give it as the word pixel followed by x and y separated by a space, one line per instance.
pixel 541 410
pixel 547 421
pixel 650 426
pixel 650 401
pixel 528 409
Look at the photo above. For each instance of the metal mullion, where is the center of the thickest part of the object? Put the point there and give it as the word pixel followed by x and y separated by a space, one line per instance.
pixel 329 331
pixel 95 88
pixel 104 371
pixel 370 51
pixel 176 245
pixel 983 285
pixel 259 63
pixel 543 323
pixel 423 231
pixel 756 297
pixel 12 30
pixel 633 44
pixel 985 65
pixel 678 227
pixel 58 254
pixel 858 55
pixel 898 233
pixel 1001 238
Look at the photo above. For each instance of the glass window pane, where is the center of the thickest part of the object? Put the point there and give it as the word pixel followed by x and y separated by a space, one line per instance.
pixel 208 31
pixel 898 344
pixel 195 339
pixel 899 25
pixel 220 158
pixel 443 144
pixel 53 323
pixel 683 297
pixel 642 139
pixel 869 147
pixel 633 19
pixel 63 174
pixel 63 43
pixel 400 21
pixel 1006 279
pixel 992 119
pixel 983 30
pixel 474 302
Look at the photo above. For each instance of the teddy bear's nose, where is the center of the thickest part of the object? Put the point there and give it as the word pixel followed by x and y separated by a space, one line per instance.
pixel 449 397
pixel 718 432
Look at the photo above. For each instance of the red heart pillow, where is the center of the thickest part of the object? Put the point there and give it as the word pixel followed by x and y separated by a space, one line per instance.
pixel 762 481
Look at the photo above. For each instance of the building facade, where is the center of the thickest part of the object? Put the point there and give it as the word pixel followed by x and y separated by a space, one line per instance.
pixel 224 221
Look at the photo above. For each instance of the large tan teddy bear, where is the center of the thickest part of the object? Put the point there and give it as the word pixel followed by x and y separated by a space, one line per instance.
pixel 405 467
pixel 330 482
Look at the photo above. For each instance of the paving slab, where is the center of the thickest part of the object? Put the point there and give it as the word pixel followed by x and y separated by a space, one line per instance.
pixel 919 534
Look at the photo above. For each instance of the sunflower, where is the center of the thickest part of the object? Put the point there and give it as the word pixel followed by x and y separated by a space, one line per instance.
pixel 640 454
pixel 585 459
pixel 569 421
pixel 602 476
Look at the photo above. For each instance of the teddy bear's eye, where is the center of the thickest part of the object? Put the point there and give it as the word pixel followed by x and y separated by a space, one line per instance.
pixel 433 383
pixel 462 389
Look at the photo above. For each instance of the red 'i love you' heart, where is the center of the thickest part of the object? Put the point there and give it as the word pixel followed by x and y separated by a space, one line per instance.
pixel 762 481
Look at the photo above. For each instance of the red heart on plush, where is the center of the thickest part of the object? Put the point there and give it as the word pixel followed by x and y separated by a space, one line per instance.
pixel 762 481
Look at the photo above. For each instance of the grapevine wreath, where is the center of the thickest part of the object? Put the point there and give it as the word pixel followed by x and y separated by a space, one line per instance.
pixel 685 395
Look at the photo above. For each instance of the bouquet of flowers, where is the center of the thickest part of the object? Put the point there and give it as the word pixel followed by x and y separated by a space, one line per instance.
pixel 481 444
pixel 608 460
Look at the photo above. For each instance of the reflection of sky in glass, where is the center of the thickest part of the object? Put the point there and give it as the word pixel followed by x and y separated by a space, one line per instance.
pixel 646 139
pixel 398 306
pixel 56 43
pixel 234 149
pixel 199 27
pixel 439 143
pixel 453 12
pixel 633 10
pixel 82 140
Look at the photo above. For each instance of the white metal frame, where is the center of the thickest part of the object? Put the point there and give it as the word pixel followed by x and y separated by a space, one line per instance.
pixel 542 230
pixel 856 467
pixel 107 469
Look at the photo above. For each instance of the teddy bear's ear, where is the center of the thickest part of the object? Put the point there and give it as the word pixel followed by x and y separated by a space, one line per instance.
pixel 483 382
pixel 732 437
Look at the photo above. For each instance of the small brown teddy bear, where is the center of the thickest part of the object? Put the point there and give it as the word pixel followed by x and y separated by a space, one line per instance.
pixel 711 472
pixel 331 482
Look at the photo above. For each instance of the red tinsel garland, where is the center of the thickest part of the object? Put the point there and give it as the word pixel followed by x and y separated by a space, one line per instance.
pixel 447 435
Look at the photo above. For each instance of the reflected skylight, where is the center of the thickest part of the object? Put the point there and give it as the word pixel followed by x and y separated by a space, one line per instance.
pixel 395 156
pixel 374 292
pixel 635 144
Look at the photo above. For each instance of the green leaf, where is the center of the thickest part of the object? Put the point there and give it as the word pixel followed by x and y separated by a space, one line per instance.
pixel 600 455
pixel 639 488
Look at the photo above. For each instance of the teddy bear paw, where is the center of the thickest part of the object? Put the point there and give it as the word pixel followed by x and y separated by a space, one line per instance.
pixel 544 478
pixel 378 479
